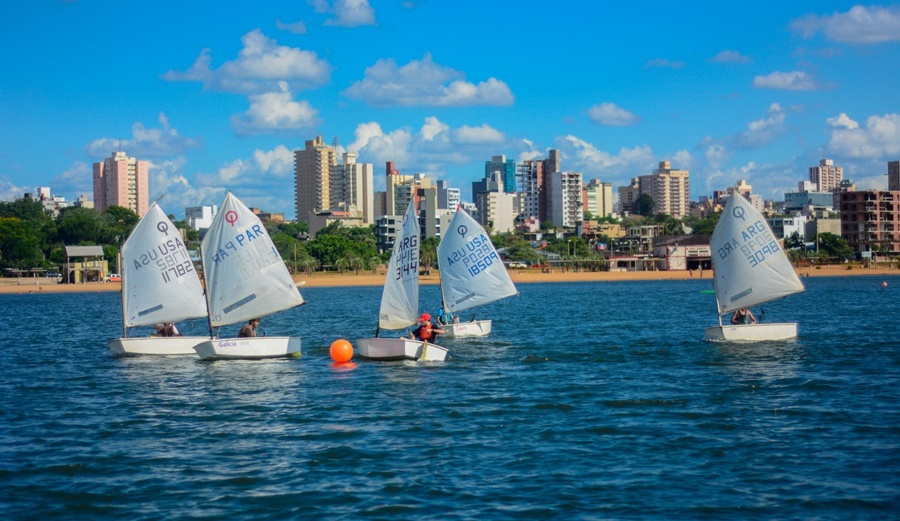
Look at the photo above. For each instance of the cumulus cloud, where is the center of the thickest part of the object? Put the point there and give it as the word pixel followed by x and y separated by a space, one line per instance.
pixel 759 133
pixel 860 25
pixel 261 67
pixel 612 115
pixel 729 56
pixel 794 80
pixel 293 28
pixel 583 156
pixel 347 13
pixel 145 142
pixel 879 138
pixel 425 83
pixel 77 179
pixel 485 134
pixel 664 63
pixel 275 111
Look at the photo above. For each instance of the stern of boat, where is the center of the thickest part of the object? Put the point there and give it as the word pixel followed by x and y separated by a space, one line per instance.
pixel 467 329
pixel 387 349
pixel 254 348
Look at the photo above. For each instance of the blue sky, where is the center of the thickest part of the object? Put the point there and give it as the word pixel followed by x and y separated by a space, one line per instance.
pixel 218 94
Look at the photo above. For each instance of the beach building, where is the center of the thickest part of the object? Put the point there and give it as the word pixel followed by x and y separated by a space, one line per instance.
pixel 686 252
pixel 85 264
pixel 123 181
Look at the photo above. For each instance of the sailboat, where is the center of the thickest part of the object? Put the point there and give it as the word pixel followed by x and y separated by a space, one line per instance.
pixel 472 274
pixel 749 268
pixel 159 285
pixel 400 301
pixel 245 279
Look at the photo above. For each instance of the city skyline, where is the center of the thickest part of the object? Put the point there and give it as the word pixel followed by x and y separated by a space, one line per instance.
pixel 761 93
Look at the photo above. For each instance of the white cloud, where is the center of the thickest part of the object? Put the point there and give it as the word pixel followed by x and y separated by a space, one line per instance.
pixel 860 25
pixel 261 67
pixel 348 13
pixel 763 131
pixel 425 83
pixel 878 139
pixel 279 161
pixel 485 134
pixel 794 80
pixel 432 128
pixel 293 28
pixel 77 179
pixel 729 56
pixel 612 115
pixel 9 191
pixel 275 111
pixel 580 155
pixel 145 142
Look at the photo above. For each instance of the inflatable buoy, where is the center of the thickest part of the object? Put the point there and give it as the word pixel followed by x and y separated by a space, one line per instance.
pixel 341 350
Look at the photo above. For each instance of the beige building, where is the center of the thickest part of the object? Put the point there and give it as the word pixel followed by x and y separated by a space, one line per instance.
pixel 122 181
pixel 826 176
pixel 670 189
pixel 351 187
pixel 312 173
pixel 598 199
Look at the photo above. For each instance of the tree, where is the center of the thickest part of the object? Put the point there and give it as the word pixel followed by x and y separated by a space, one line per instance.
pixel 428 253
pixel 644 205
pixel 834 245
pixel 706 225
pixel 19 247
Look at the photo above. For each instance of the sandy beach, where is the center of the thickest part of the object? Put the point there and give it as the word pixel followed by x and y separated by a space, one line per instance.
pixel 519 276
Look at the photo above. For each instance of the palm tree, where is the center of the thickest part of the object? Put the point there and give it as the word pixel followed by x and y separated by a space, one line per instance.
pixel 308 264
pixel 374 262
pixel 356 263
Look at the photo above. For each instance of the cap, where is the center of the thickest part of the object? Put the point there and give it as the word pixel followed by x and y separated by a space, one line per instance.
pixel 425 316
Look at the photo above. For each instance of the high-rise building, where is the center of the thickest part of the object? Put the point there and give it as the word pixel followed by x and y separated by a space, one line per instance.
pixel 530 183
pixel 506 168
pixel 312 177
pixel 564 198
pixel 893 176
pixel 351 188
pixel 870 220
pixel 826 176
pixel 598 200
pixel 122 181
pixel 670 190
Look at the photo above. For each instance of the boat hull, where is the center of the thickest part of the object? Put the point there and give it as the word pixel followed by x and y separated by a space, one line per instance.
pixel 464 329
pixel 251 348
pixel 752 332
pixel 156 345
pixel 387 349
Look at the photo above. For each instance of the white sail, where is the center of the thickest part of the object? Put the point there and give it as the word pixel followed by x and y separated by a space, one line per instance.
pixel 749 265
pixel 159 283
pixel 472 273
pixel 400 300
pixel 245 276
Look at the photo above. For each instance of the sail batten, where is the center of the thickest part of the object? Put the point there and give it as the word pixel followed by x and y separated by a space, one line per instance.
pixel 159 283
pixel 749 265
pixel 472 273
pixel 245 276
pixel 400 299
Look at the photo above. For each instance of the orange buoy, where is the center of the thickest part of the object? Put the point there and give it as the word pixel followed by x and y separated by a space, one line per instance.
pixel 341 350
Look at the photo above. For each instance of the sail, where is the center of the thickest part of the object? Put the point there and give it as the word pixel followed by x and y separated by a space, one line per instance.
pixel 472 273
pixel 245 276
pixel 400 300
pixel 749 266
pixel 159 283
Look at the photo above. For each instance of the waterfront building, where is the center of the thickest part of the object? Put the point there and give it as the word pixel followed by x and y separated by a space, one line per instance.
pixel 506 168
pixel 351 188
pixel 598 199
pixel 564 199
pixel 312 178
pixel 870 220
pixel 123 181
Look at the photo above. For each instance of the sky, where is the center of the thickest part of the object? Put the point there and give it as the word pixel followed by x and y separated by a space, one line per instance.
pixel 217 95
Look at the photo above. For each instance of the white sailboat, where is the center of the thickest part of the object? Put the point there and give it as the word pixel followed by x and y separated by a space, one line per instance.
pixel 749 268
pixel 245 278
pixel 400 301
pixel 159 285
pixel 472 274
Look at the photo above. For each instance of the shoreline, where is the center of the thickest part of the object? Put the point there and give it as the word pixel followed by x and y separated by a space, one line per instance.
pixel 519 276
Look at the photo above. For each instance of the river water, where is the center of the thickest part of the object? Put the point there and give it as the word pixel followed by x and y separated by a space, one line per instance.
pixel 588 401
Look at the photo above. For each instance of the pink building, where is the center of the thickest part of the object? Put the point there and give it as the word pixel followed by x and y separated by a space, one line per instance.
pixel 122 181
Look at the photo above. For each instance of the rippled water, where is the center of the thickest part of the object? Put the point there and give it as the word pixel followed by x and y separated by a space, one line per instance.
pixel 588 401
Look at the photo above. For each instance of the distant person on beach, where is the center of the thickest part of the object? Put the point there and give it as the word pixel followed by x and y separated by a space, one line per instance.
pixel 426 332
pixel 743 315
pixel 167 329
pixel 250 329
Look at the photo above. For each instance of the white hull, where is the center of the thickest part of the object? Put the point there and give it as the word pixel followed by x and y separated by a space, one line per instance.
pixel 156 345
pixel 249 348
pixel 753 332
pixel 400 349
pixel 464 329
